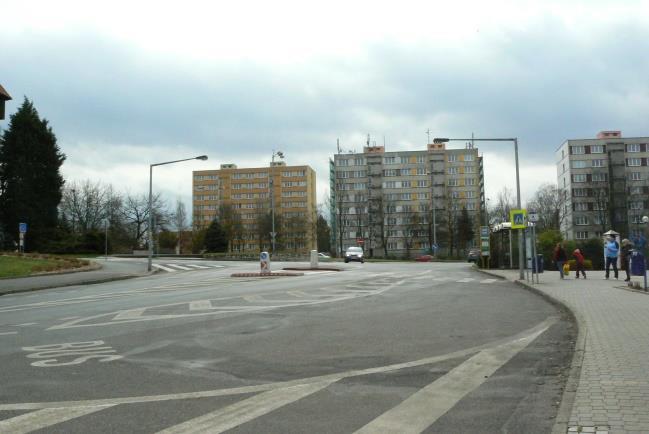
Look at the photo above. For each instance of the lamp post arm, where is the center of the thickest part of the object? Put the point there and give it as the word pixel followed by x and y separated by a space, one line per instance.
pixel 171 162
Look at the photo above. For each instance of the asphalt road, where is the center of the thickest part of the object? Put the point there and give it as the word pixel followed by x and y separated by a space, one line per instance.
pixel 379 347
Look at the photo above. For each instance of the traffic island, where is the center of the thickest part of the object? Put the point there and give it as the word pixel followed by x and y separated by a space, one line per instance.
pixel 312 269
pixel 272 274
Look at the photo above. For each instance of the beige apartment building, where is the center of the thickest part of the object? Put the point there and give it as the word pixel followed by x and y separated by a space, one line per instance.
pixel 248 200
pixel 387 201
pixel 604 184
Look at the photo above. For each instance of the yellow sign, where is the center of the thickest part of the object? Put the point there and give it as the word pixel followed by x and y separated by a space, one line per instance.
pixel 518 218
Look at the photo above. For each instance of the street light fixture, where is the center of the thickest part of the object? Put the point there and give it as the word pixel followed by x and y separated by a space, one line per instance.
pixel 271 189
pixel 518 185
pixel 200 157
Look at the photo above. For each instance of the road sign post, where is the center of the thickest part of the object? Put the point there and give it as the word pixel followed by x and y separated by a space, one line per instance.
pixel 264 262
pixel 22 230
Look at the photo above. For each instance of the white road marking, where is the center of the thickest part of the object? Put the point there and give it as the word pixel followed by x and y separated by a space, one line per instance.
pixel 298 294
pixel 197 266
pixel 525 336
pixel 425 406
pixel 163 268
pixel 489 281
pixel 244 411
pixel 252 298
pixel 46 417
pixel 26 324
pixel 181 267
pixel 465 280
pixel 201 305
pixel 129 314
pixel 8 333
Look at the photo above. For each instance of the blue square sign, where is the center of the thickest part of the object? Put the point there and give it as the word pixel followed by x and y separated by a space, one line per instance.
pixel 22 227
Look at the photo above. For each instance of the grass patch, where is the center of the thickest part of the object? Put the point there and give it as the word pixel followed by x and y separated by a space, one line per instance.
pixel 17 265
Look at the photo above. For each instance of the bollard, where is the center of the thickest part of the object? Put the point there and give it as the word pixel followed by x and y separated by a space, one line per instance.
pixel 314 259
pixel 264 261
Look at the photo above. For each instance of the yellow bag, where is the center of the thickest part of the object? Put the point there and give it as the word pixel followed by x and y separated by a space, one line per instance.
pixel 566 269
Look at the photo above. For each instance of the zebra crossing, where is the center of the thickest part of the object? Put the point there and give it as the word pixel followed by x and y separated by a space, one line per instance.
pixel 173 267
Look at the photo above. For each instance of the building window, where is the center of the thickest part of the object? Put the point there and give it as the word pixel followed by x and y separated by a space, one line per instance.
pixel 455 194
pixel 582 235
pixel 635 190
pixel 633 147
pixel 580 177
pixel 636 205
pixel 405 196
pixel 578 150
pixel 389 160
pixel 470 206
pixel 578 164
pixel 404 160
pixel 422 183
pixel 470 194
pixel 359 161
pixel 390 172
pixel 422 195
pixel 597 163
pixel 343 162
pixel 421 158
pixel 390 184
pixel 392 245
pixel 597 149
pixel 452 158
pixel 580 192
pixel 421 171
pixel 469 181
pixel 635 176
pixel 631 162
pixel 452 182
pixel 469 169
pixel 452 170
pixel 600 177
pixel 405 184
pixel 468 157
pixel 581 220
pixel 581 206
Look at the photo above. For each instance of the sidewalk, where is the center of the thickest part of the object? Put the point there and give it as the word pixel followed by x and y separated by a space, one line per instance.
pixel 612 394
pixel 109 271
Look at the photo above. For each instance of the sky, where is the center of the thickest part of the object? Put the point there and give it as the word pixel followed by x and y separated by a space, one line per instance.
pixel 127 84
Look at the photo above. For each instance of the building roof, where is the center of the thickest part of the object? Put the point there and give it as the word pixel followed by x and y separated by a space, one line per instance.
pixel 3 94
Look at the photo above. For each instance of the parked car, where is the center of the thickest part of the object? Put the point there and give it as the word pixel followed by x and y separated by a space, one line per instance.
pixel 323 257
pixel 473 255
pixel 423 258
pixel 354 254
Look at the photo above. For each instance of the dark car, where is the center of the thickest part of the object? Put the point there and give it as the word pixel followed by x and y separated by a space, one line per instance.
pixel 354 254
pixel 473 255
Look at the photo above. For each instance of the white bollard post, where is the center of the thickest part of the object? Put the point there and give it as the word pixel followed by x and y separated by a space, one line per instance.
pixel 314 259
pixel 264 262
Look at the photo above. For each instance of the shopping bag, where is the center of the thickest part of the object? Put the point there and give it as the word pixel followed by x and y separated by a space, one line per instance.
pixel 566 268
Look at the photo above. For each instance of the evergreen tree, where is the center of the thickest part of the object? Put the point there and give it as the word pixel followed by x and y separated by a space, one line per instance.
pixel 30 181
pixel 215 239
pixel 465 232
pixel 324 234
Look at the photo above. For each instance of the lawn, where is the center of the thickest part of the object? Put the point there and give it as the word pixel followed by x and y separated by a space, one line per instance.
pixel 24 265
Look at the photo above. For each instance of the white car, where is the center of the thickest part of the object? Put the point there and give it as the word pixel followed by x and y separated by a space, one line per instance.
pixel 323 257
pixel 354 254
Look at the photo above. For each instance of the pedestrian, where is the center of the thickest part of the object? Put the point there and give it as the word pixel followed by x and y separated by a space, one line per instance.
pixel 579 262
pixel 559 258
pixel 611 250
pixel 625 257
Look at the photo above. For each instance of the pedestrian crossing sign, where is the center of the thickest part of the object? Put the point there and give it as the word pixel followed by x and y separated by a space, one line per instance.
pixel 518 218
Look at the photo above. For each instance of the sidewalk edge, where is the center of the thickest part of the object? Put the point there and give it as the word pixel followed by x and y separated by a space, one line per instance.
pixel 64 285
pixel 570 391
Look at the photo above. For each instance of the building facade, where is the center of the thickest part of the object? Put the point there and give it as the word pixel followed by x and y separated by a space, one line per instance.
pixel 605 185
pixel 247 201
pixel 387 201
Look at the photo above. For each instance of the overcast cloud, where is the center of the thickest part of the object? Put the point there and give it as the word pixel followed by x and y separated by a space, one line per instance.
pixel 134 84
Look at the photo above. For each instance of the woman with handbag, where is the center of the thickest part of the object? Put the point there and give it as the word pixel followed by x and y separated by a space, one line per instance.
pixel 559 258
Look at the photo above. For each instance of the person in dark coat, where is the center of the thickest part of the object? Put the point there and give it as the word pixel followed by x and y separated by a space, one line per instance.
pixel 559 257
pixel 625 257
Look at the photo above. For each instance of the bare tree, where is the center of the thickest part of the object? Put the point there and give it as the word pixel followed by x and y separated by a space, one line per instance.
pixel 549 203
pixel 135 214
pixel 412 224
pixel 179 221
pixel 85 205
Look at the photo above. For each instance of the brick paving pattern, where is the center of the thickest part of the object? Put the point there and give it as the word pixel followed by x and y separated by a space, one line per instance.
pixel 613 391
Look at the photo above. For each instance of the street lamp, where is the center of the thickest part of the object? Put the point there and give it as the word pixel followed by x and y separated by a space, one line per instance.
pixel 273 234
pixel 200 157
pixel 518 186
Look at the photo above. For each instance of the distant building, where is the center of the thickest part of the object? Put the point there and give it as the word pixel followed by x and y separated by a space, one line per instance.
pixel 4 96
pixel 241 198
pixel 605 183
pixel 384 201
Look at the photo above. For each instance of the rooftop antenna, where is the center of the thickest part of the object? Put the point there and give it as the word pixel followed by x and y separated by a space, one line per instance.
pixel 338 145
pixel 428 135
pixel 368 140
pixel 384 140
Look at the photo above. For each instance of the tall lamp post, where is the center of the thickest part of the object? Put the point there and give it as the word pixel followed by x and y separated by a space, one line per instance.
pixel 271 188
pixel 521 274
pixel 200 157
pixel 433 209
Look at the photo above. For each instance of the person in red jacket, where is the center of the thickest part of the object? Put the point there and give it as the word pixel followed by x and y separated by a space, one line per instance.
pixel 579 259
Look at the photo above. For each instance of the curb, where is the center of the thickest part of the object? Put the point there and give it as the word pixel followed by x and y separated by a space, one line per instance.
pixel 570 391
pixel 312 269
pixel 276 274
pixel 85 282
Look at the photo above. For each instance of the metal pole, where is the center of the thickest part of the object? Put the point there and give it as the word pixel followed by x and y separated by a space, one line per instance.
pixel 106 242
pixel 518 204
pixel 150 217
pixel 511 259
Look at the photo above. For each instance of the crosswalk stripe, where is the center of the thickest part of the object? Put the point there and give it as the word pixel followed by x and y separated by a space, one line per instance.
pixel 36 420
pixel 163 268
pixel 488 280
pixel 465 280
pixel 129 314
pixel 197 266
pixel 425 406
pixel 200 305
pixel 244 411
pixel 181 267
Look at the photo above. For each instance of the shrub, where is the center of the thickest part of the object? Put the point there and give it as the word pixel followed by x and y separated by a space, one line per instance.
pixel 588 264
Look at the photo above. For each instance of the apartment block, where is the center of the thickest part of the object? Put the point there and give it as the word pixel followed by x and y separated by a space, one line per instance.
pixel 387 201
pixel 244 200
pixel 605 185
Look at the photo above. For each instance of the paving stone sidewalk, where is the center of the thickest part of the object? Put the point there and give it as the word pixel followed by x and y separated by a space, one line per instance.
pixel 613 391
